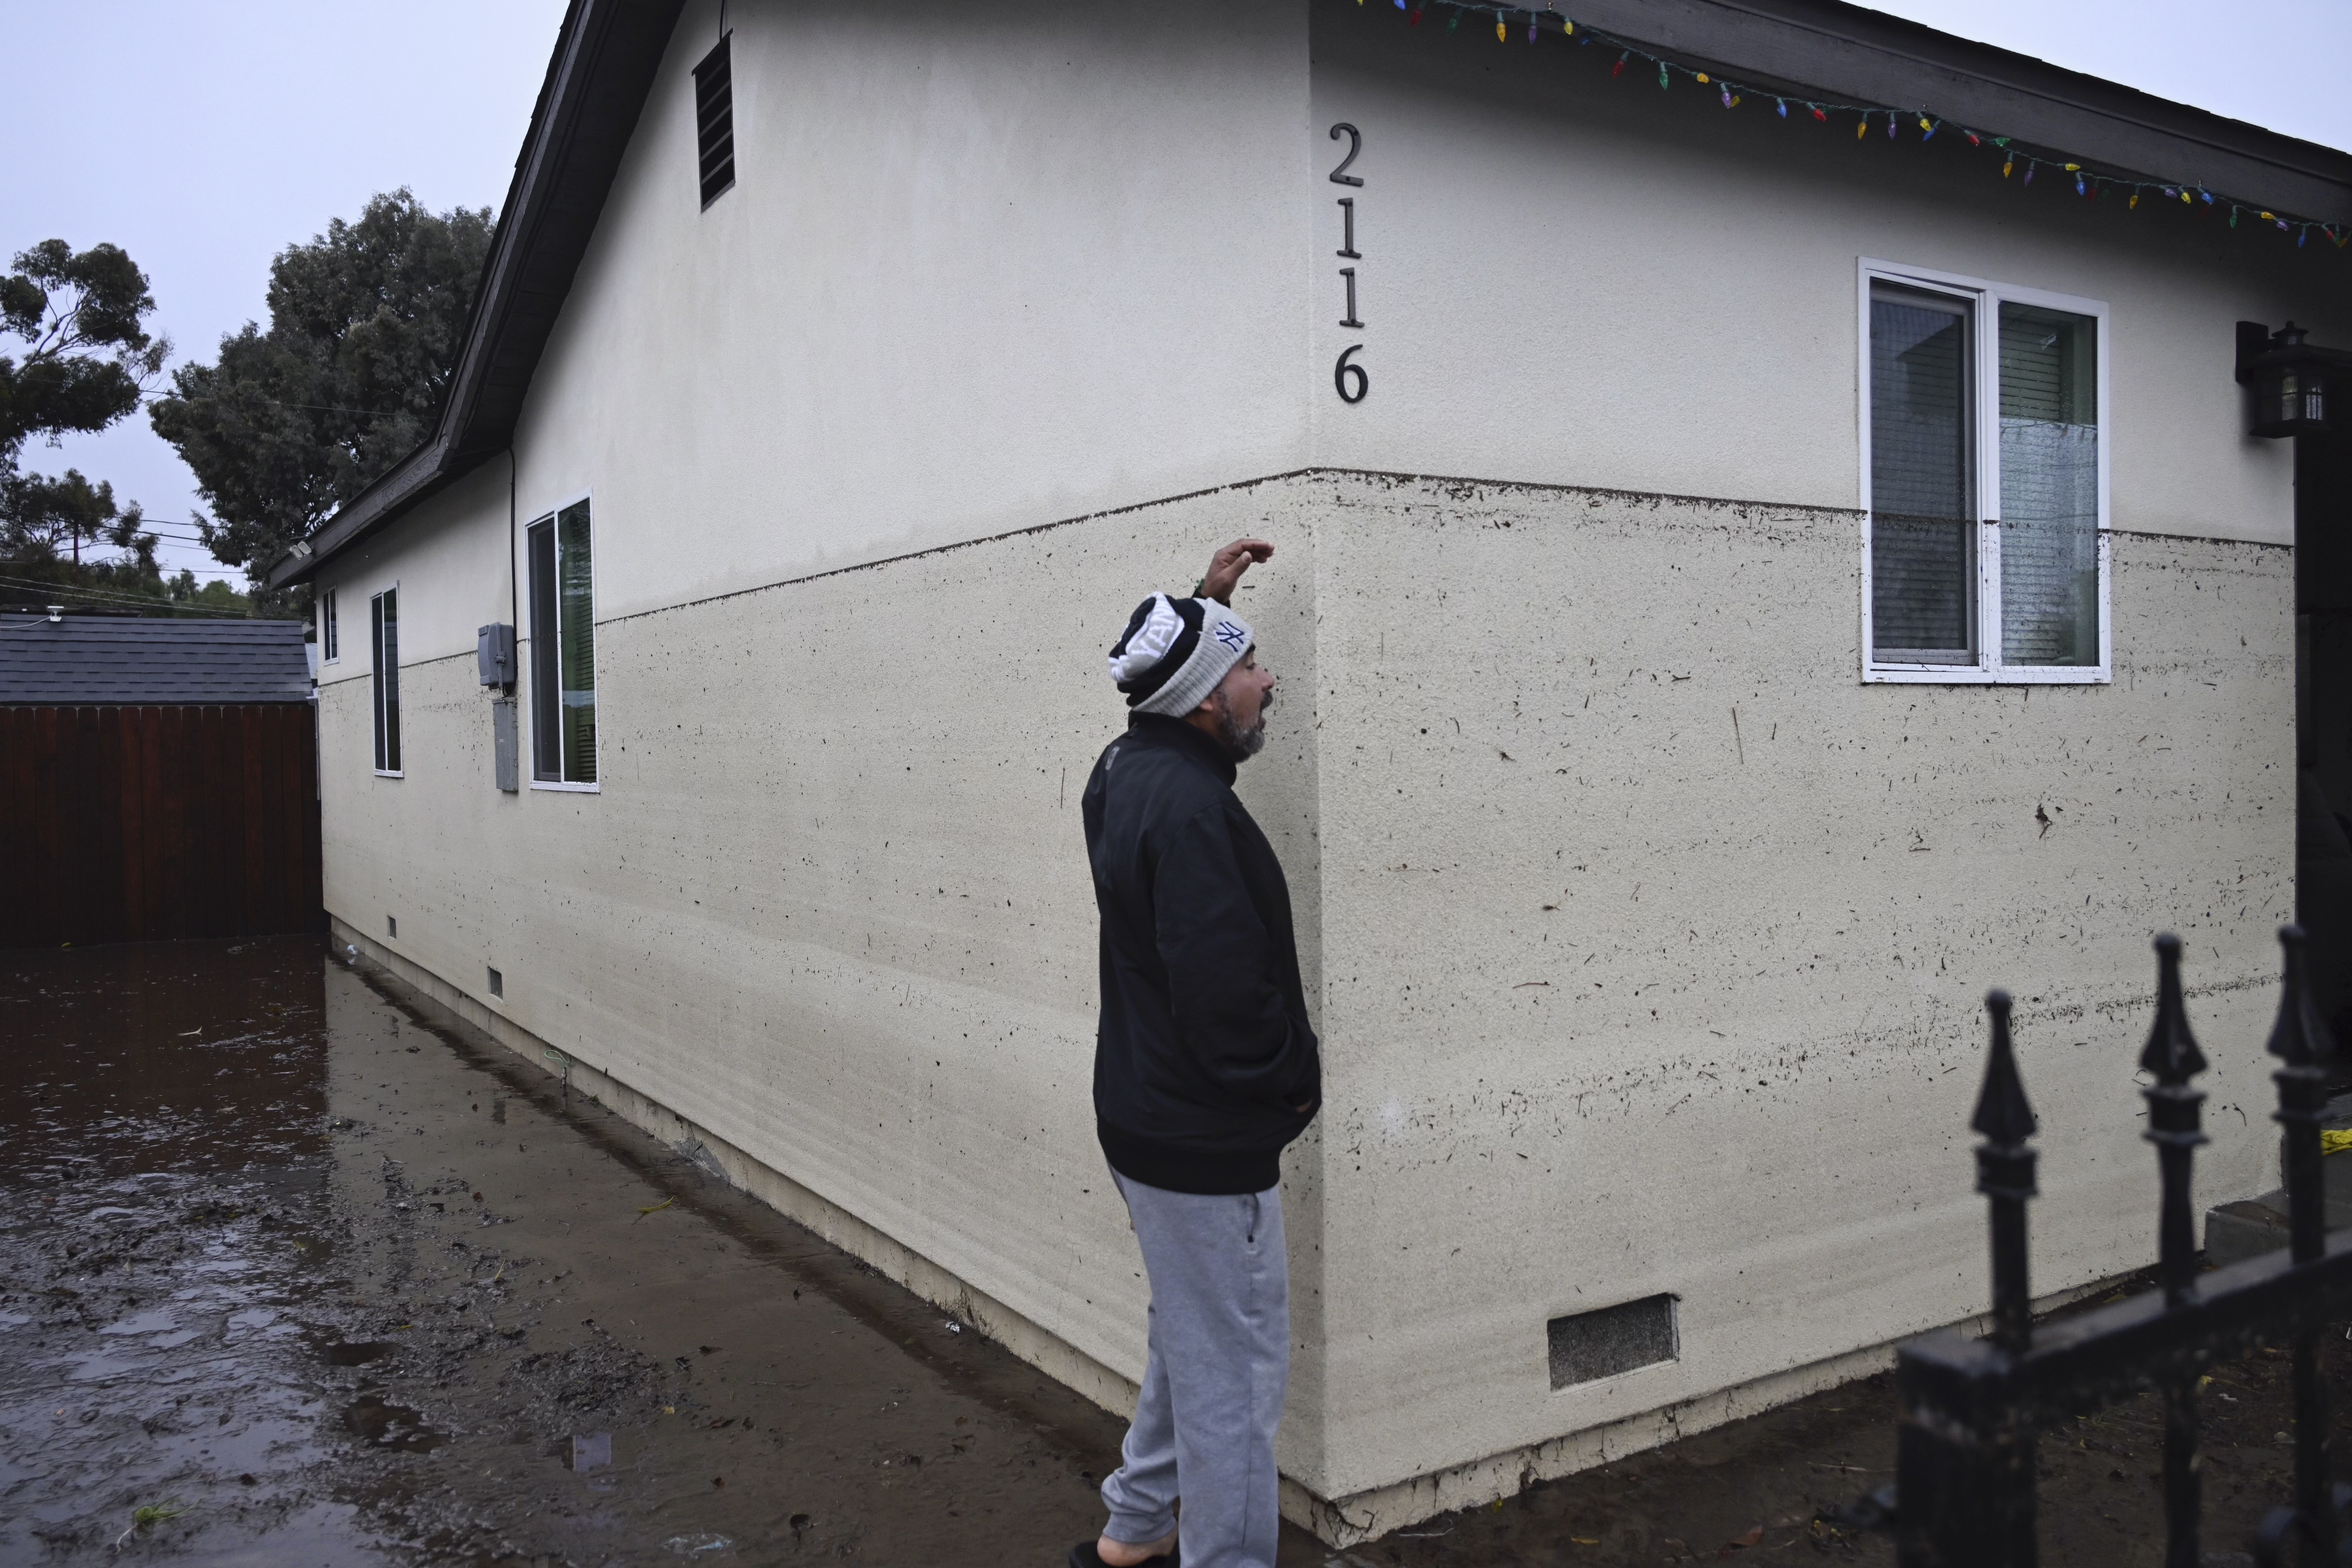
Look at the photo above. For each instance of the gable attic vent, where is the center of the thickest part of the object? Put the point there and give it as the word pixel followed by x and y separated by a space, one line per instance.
pixel 714 120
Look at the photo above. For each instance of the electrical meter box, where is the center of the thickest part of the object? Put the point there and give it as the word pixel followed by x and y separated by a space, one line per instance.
pixel 505 754
pixel 494 652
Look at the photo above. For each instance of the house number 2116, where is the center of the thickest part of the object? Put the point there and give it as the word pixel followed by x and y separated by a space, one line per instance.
pixel 1347 377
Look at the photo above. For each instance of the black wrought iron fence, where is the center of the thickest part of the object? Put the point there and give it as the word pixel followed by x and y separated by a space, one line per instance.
pixel 1964 1494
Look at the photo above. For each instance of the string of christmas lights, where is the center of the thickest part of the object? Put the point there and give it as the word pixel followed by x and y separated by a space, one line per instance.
pixel 2089 184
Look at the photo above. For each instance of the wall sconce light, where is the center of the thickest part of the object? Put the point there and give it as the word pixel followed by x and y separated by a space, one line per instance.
pixel 2295 384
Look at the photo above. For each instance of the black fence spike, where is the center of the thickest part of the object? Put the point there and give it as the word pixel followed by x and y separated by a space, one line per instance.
pixel 1971 1409
pixel 2299 1038
pixel 2301 1043
pixel 2174 1122
pixel 2171 1053
pixel 2005 1166
pixel 2174 1126
pixel 2003 1115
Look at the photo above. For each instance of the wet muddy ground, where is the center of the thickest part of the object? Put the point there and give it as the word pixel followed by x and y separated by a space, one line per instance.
pixel 294 1271
pixel 339 1286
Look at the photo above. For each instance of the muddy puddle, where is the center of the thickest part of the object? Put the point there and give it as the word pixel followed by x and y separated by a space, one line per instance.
pixel 294 1272
pixel 310 1281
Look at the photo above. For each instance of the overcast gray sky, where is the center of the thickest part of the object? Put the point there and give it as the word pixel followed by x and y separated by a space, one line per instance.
pixel 205 138
pixel 2274 63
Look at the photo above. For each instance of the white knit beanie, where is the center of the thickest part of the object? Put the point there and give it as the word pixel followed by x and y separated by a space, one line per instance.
pixel 1175 651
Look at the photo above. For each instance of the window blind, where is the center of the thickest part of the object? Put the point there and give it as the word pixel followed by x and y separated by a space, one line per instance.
pixel 1923 522
pixel 2049 487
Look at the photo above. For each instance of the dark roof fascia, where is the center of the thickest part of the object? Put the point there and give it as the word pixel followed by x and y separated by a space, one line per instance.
pixel 1867 57
pixel 606 55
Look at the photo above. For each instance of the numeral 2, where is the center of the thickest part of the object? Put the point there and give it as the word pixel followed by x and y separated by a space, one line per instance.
pixel 1339 176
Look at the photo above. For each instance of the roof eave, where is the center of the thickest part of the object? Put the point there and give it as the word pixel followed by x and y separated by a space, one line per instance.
pixel 408 481
pixel 1849 51
pixel 606 56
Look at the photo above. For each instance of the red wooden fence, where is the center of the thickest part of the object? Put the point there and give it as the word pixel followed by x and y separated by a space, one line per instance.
pixel 139 823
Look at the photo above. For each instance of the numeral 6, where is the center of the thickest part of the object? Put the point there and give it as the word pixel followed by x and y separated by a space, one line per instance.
pixel 1344 368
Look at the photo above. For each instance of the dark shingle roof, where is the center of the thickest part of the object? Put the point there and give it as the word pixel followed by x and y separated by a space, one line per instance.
pixel 90 660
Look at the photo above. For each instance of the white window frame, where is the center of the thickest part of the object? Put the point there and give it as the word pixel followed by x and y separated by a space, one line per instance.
pixel 1986 299
pixel 375 683
pixel 330 634
pixel 547 514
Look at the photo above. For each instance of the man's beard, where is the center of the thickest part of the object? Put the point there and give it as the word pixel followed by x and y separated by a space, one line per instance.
pixel 1239 743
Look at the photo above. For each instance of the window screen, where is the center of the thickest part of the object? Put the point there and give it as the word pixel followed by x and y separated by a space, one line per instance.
pixel 563 648
pixel 328 646
pixel 714 121
pixel 2049 487
pixel 384 635
pixel 1923 514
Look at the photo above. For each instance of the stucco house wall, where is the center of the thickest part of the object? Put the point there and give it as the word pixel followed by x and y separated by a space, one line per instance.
pixel 1010 317
pixel 1628 996
pixel 974 274
pixel 1573 278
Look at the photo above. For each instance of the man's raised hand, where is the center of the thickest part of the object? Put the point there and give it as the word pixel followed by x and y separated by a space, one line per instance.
pixel 1226 566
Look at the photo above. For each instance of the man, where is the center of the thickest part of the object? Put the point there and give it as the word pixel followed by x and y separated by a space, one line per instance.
pixel 1204 1070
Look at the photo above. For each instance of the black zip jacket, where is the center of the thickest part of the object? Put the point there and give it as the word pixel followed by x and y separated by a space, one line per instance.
pixel 1204 1057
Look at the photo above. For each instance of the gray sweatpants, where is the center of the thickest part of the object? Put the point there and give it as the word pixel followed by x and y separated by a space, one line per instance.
pixel 1213 1381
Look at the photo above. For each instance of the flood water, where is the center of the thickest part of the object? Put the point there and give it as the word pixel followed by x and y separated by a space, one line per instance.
pixel 294 1271
pixel 312 1281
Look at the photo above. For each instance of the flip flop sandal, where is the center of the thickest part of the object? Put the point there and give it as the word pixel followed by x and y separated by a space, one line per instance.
pixel 1084 1555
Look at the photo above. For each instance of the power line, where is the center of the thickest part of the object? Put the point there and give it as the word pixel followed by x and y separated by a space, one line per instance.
pixel 76 588
pixel 103 593
pixel 306 407
pixel 147 533
pixel 158 607
pixel 95 596
pixel 99 598
pixel 154 606
pixel 102 541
